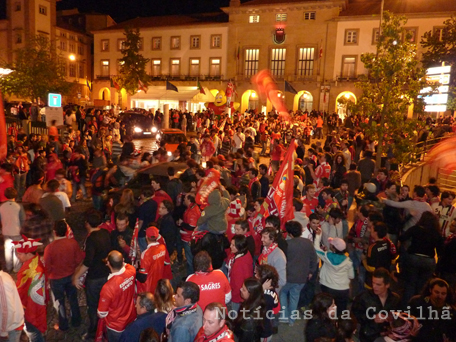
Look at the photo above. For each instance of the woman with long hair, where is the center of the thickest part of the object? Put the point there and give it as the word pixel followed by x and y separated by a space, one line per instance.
pixel 338 171
pixel 240 267
pixel 322 324
pixel 164 296
pixel 249 321
pixel 127 206
pixel 419 260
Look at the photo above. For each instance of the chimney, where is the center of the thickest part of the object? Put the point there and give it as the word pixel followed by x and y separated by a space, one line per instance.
pixel 235 3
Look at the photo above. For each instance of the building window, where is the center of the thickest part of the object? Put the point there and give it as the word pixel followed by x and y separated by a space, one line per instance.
pixel 254 18
pixel 348 67
pixel 306 61
pixel 64 69
pixel 278 62
pixel 17 7
pixel 18 38
pixel 309 15
pixel 216 41
pixel 194 67
pixel 156 67
pixel 410 34
pixel 71 47
pixel 72 70
pixel 195 42
pixel 43 10
pixel 63 34
pixel 63 46
pixel 80 39
pixel 375 36
pixel 120 44
pixel 156 43
pixel 440 33
pixel 175 43
pixel 281 17
pixel 175 67
pixel 105 45
pixel 251 61
pixel 81 71
pixel 214 66
pixel 351 37
pixel 72 37
pixel 105 68
pixel 80 50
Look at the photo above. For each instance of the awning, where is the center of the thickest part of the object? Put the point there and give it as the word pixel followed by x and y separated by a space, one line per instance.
pixel 185 93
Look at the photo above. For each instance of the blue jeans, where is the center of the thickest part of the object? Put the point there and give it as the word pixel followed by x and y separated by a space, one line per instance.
pixel 289 297
pixel 417 271
pixel 93 289
pixel 14 335
pixel 80 185
pixel 142 243
pixel 97 202
pixel 113 336
pixel 189 257
pixel 33 333
pixel 355 256
pixel 60 287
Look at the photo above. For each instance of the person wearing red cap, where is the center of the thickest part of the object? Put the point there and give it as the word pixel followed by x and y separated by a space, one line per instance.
pixel 116 305
pixel 152 261
pixel 31 287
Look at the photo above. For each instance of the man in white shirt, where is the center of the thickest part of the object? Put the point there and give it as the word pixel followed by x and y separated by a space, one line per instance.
pixel 238 139
pixel 12 318
pixel 62 196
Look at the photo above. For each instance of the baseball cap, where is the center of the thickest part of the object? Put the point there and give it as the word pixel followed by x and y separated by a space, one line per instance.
pixel 338 243
pixel 371 187
pixel 152 232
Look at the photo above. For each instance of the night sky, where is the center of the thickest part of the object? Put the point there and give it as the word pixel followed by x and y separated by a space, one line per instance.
pixel 122 10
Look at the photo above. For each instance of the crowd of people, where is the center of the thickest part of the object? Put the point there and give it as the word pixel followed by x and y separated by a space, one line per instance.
pixel 365 258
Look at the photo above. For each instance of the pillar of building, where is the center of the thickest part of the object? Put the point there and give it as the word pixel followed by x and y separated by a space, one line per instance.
pixel 166 116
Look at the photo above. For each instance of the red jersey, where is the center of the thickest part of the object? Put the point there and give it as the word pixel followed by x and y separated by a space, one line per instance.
pixel 309 206
pixel 153 261
pixel 31 286
pixel 322 170
pixel 213 287
pixel 159 196
pixel 167 273
pixel 116 303
pixel 191 216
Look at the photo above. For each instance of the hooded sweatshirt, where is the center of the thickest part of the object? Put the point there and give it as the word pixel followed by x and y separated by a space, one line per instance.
pixel 337 269
pixel 214 213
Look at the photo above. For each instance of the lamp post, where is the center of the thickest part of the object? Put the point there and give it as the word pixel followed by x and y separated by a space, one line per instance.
pixel 3 133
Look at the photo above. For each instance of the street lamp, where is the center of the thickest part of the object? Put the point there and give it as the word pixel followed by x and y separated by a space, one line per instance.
pixel 72 57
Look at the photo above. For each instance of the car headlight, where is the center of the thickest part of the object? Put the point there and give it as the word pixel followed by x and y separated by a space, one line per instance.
pixel 138 130
pixel 169 153
pixel 154 130
pixel 157 136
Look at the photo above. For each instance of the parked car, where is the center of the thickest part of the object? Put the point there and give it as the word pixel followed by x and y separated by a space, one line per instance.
pixel 138 124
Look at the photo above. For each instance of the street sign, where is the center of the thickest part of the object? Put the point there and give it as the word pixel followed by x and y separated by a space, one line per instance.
pixel 54 100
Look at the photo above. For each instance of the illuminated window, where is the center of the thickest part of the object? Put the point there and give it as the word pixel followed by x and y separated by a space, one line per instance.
pixel 214 66
pixel 105 68
pixel 43 10
pixel 306 61
pixel 351 37
pixel 105 45
pixel 309 15
pixel 194 67
pixel 175 43
pixel 120 44
pixel 440 33
pixel 278 62
pixel 156 43
pixel 251 62
pixel 119 65
pixel 410 34
pixel 254 19
pixel 375 36
pixel 156 67
pixel 175 67
pixel 216 41
pixel 195 42
pixel 348 67
pixel 281 17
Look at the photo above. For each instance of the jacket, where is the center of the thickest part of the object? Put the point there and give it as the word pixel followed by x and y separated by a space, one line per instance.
pixel 337 269
pixel 301 260
pixel 241 269
pixel 214 213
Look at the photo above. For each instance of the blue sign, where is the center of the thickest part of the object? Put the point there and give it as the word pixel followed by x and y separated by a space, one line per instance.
pixel 54 100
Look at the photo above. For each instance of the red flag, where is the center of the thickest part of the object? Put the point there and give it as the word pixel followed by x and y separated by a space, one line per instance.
pixel 3 138
pixel 142 86
pixel 280 197
pixel 200 88
pixel 210 182
pixel 134 243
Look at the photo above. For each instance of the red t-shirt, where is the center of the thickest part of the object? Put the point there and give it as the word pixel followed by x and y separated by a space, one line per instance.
pixel 116 303
pixel 309 206
pixel 58 267
pixel 153 261
pixel 213 287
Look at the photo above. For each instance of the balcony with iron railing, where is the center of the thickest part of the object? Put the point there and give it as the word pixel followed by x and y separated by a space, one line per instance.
pixel 169 77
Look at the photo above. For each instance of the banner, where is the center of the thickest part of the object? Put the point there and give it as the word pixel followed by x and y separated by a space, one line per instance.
pixel 3 134
pixel 280 196
pixel 210 182
pixel 134 244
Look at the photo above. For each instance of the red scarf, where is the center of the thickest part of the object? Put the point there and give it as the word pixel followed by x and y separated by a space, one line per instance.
pixel 263 258
pixel 222 334
pixel 253 180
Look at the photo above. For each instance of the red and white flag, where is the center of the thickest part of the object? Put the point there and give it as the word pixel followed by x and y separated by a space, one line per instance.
pixel 280 196
pixel 134 243
pixel 142 86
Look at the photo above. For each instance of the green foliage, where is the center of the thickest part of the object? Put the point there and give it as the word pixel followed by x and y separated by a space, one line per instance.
pixel 37 71
pixel 393 81
pixel 442 50
pixel 133 64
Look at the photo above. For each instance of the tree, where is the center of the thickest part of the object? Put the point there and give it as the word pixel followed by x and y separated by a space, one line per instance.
pixel 441 47
pixel 37 71
pixel 132 64
pixel 393 81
